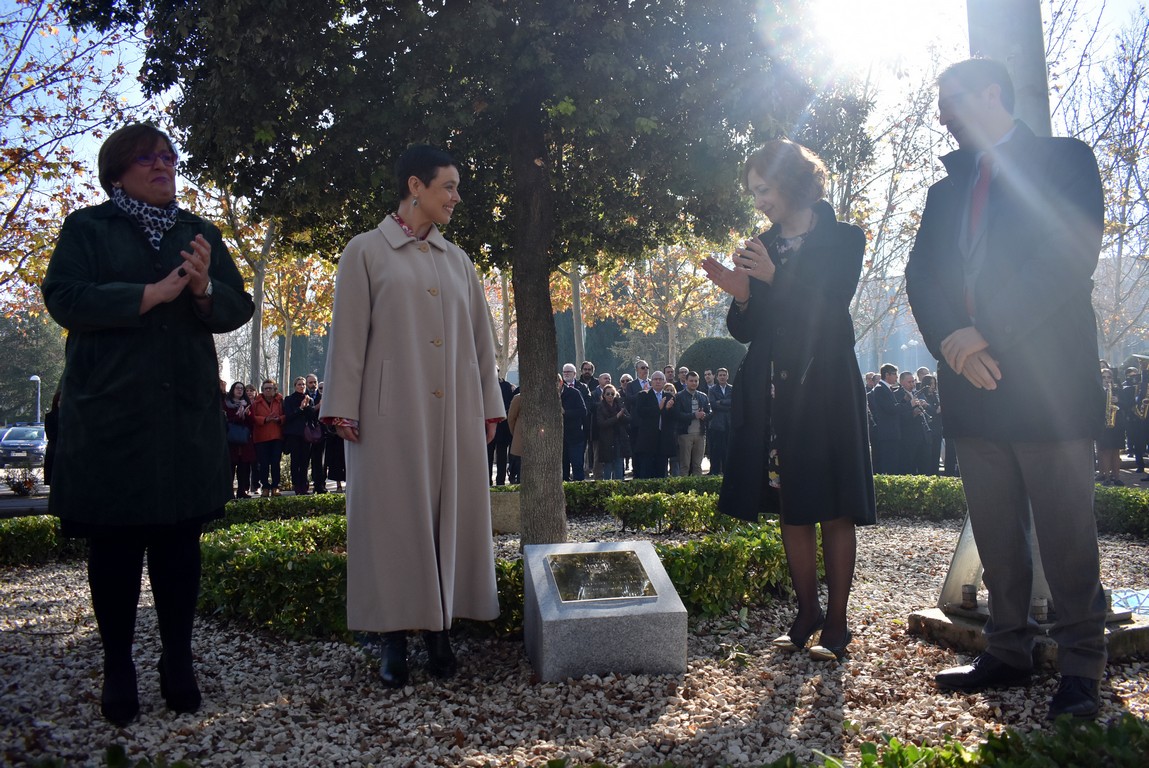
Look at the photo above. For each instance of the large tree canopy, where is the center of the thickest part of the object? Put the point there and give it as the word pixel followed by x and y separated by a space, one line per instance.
pixel 584 128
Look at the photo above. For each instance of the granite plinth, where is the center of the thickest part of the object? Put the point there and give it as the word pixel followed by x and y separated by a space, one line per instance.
pixel 623 619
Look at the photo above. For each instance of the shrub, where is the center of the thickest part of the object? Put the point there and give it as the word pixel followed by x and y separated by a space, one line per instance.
pixel 35 540
pixel 286 576
pixel 278 508
pixel 722 571
pixel 690 511
pixel 290 576
pixel 713 352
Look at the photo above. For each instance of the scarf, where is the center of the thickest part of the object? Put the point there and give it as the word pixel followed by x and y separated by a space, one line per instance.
pixel 155 221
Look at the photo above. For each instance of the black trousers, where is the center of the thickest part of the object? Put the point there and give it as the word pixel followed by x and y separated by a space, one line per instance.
pixel 115 566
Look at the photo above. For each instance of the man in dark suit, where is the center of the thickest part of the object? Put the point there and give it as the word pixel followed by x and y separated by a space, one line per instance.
pixel 574 398
pixel 885 428
pixel 999 280
pixel 718 433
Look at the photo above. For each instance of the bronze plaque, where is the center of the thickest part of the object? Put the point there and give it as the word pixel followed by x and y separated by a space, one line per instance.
pixel 600 576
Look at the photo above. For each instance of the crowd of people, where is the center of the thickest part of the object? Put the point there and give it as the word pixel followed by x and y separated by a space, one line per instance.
pixel 264 425
pixel 687 417
pixel 648 425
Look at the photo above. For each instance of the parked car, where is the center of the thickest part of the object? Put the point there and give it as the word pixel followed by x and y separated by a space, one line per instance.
pixel 23 445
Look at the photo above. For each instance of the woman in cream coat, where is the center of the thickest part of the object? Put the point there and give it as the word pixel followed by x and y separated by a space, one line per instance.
pixel 411 386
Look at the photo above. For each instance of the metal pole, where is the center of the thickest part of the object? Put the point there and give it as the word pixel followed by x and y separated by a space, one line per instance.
pixel 1010 31
pixel 36 379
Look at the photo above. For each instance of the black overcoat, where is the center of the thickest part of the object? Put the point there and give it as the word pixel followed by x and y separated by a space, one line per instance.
pixel 802 340
pixel 1032 299
pixel 142 435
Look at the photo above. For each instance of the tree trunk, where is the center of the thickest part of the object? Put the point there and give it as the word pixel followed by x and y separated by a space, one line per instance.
pixel 259 270
pixel 576 315
pixel 542 502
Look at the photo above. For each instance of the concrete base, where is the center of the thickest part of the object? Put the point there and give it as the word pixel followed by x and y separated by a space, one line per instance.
pixel 505 514
pixel 1126 639
pixel 626 635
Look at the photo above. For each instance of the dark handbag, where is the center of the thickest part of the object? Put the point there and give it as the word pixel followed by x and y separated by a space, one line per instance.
pixel 313 432
pixel 238 434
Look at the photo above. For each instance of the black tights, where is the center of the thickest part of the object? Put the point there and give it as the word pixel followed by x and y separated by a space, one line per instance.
pixel 115 565
pixel 839 548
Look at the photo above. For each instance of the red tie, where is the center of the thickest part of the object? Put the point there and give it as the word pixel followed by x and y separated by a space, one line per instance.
pixel 980 193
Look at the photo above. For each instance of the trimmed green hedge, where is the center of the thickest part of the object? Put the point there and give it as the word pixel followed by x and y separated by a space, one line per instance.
pixel 290 577
pixel 33 540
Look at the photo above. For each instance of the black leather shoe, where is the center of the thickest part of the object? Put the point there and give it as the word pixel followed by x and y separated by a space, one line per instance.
pixel 178 686
pixel 985 671
pixel 440 658
pixel 1078 697
pixel 393 670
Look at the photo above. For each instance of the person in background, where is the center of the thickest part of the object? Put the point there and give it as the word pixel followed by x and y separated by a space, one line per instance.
pixel 656 428
pixel 252 392
pixel 692 409
pixel 241 452
pixel 718 432
pixel 1000 282
pixel 267 433
pixel 141 285
pixel 498 457
pixel 1111 437
pixel 298 412
pixel 412 387
pixel 515 452
pixel 575 399
pixel 791 289
pixel 610 419
pixel 318 443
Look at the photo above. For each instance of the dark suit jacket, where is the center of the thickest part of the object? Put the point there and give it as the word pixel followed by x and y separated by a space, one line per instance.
pixel 886 409
pixel 1032 295
pixel 656 432
pixel 720 407
pixel 574 412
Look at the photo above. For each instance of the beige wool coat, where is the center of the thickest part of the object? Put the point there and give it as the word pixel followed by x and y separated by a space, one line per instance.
pixel 411 356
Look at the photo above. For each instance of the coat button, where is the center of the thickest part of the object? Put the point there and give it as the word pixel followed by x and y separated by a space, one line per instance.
pixel 433 291
pixel 164 327
pixel 784 375
pixel 437 393
pixel 166 386
pixel 437 342
pixel 423 247
pixel 157 266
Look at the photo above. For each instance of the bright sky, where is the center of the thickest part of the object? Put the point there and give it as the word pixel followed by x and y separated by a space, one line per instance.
pixel 888 34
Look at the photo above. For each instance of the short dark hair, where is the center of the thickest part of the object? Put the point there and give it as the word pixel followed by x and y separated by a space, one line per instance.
pixel 121 149
pixel 799 173
pixel 887 368
pixel 423 162
pixel 722 370
pixel 978 74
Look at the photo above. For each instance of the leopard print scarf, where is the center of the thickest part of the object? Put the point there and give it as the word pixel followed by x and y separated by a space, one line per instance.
pixel 154 220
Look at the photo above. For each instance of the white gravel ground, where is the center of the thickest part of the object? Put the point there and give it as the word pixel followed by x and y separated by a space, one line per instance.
pixel 273 703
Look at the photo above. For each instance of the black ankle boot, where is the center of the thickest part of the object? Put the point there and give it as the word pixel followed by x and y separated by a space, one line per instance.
pixel 440 658
pixel 393 668
pixel 178 685
pixel 119 700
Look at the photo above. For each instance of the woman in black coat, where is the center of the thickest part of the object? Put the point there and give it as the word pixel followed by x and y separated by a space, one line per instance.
pixel 800 450
pixel 141 286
